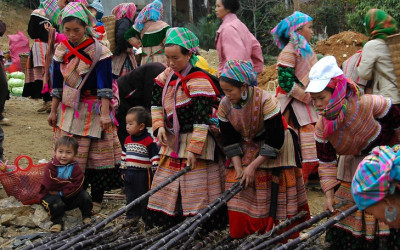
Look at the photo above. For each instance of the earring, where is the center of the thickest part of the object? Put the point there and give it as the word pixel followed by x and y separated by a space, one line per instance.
pixel 244 95
pixel 390 216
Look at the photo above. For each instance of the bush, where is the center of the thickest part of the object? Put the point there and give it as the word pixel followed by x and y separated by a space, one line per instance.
pixel 205 29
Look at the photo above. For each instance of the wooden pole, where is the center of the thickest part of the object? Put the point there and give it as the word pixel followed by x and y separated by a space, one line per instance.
pixel 296 4
pixel 320 228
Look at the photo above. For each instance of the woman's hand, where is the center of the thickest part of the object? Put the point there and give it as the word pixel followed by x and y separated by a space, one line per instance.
pixel 239 172
pixel 52 118
pixel 329 200
pixel 105 122
pixel 162 136
pixel 249 175
pixel 191 160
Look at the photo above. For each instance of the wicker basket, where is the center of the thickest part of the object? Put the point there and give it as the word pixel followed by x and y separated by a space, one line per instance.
pixel 394 47
pixel 23 58
pixel 109 25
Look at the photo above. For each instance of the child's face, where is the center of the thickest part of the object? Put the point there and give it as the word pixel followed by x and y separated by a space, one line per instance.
pixel 132 126
pixel 65 154
pixel 321 99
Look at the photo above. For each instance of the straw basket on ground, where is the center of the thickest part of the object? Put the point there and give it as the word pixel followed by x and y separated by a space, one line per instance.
pixel 394 47
pixel 23 58
pixel 109 25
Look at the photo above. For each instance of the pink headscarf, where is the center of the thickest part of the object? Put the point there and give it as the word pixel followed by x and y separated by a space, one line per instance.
pixel 127 10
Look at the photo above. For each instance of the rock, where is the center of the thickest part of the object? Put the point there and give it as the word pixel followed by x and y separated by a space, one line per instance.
pixel 45 224
pixel 6 218
pixel 40 215
pixel 23 221
pixel 11 206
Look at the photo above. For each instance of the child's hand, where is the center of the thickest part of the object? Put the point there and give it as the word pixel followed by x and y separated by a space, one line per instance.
pixel 53 192
pixel 123 177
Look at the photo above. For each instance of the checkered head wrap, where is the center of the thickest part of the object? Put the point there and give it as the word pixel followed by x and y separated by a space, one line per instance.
pixel 376 175
pixel 241 71
pixel 153 11
pixel 122 10
pixel 185 38
pixel 79 11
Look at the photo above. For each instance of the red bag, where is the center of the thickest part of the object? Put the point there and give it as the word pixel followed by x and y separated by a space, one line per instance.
pixel 23 183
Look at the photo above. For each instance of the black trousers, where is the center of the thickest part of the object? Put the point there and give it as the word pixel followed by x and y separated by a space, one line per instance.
pixel 4 94
pixel 57 205
pixel 136 184
pixel 1 144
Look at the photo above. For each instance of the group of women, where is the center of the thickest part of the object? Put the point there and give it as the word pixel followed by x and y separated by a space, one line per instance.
pixel 268 142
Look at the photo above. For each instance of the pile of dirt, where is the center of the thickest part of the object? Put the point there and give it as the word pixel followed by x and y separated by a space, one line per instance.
pixel 16 17
pixel 268 79
pixel 341 46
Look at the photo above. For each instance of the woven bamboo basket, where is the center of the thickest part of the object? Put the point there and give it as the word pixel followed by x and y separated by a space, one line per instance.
pixel 109 25
pixel 394 47
pixel 23 58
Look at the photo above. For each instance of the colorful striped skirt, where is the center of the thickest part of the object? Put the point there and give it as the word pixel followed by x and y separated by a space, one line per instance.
pixel 197 188
pixel 359 228
pixel 257 209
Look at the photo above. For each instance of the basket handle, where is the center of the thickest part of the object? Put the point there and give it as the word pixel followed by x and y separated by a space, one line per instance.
pixel 30 162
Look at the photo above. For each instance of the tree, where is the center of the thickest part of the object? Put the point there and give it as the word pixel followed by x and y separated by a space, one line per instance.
pixel 255 6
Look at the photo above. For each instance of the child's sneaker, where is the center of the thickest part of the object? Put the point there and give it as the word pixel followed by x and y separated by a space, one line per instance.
pixel 56 228
pixel 86 220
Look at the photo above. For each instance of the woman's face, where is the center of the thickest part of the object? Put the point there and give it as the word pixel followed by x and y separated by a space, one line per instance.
pixel 233 93
pixel 307 31
pixel 74 31
pixel 220 10
pixel 61 4
pixel 378 210
pixel 175 59
pixel 321 99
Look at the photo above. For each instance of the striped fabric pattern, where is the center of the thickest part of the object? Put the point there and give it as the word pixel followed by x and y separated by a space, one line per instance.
pixel 122 10
pixel 360 224
pixel 375 176
pixel 241 71
pixel 198 187
pixel 157 117
pixel 197 141
pixel 39 53
pixel 327 172
pixel 119 61
pixel 359 128
pixel 137 154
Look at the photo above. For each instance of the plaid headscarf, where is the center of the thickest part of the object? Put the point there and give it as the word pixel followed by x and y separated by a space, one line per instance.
pixel 333 114
pixel 53 11
pixel 99 8
pixel 375 176
pixel 122 10
pixel 185 38
pixel 79 11
pixel 241 71
pixel 153 11
pixel 285 32
pixel 379 24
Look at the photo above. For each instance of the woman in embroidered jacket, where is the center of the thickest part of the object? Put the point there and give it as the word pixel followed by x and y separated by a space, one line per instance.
pixel 124 59
pixel 262 151
pixel 36 61
pixel 92 122
pixel 148 32
pixel 349 126
pixel 183 97
pixel 233 39
pixel 292 35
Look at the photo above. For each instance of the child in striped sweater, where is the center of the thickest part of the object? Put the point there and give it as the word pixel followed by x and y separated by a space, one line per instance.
pixel 139 159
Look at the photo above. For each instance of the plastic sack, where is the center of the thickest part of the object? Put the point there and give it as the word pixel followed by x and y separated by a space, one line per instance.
pixel 19 43
pixel 23 183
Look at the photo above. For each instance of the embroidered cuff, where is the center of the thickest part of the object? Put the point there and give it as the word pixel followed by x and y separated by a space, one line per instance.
pixel 105 93
pixel 57 93
pixel 154 168
pixel 328 175
pixel 298 93
pixel 233 150
pixel 198 139
pixel 267 150
pixel 157 117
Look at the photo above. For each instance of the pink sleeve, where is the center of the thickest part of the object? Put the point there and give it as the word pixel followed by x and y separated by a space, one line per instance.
pixel 257 56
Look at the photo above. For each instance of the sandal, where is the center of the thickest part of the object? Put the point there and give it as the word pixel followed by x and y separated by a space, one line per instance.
pixel 96 208
pixel 56 228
